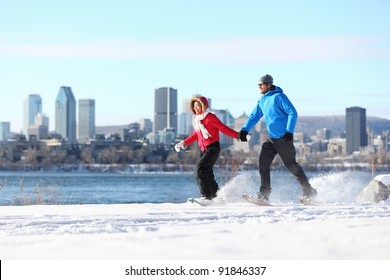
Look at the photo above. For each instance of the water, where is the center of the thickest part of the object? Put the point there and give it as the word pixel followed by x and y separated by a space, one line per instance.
pixel 96 188
pixel 115 188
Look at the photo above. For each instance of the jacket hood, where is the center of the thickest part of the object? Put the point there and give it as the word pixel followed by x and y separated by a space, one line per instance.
pixel 202 100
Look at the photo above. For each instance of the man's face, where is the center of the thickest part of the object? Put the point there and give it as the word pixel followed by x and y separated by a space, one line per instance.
pixel 264 88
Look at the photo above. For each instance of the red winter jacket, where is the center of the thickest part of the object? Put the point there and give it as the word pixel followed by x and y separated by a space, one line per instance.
pixel 213 126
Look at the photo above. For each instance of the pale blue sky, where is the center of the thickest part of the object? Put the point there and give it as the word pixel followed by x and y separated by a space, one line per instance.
pixel 326 55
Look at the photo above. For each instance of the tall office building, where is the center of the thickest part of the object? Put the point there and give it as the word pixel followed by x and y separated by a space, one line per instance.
pixel 165 109
pixel 32 106
pixel 40 128
pixel 185 126
pixel 356 134
pixel 86 123
pixel 5 131
pixel 146 125
pixel 65 114
pixel 323 134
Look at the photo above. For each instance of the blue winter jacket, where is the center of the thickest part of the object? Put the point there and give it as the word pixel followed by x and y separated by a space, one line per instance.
pixel 279 113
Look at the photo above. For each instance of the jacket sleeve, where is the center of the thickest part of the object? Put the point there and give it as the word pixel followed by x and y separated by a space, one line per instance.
pixel 191 139
pixel 223 128
pixel 253 118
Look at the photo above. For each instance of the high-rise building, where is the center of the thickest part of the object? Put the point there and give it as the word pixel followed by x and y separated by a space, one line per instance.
pixel 86 123
pixel 323 134
pixel 356 134
pixel 146 125
pixel 165 109
pixel 32 106
pixel 5 131
pixel 65 114
pixel 40 129
pixel 185 126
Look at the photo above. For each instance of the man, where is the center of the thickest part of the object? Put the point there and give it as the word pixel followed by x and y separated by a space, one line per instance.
pixel 280 117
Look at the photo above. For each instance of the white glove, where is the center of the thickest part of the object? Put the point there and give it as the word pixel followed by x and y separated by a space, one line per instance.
pixel 177 147
pixel 180 145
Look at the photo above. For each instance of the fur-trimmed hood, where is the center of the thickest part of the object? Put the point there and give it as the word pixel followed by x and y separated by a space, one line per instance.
pixel 202 100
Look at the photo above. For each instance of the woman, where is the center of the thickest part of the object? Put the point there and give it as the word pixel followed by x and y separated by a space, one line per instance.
pixel 206 131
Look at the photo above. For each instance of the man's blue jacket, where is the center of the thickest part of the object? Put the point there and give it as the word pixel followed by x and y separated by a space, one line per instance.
pixel 279 113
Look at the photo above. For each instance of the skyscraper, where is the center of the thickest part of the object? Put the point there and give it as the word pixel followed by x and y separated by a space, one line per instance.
pixel 86 125
pixel 5 131
pixel 40 128
pixel 32 106
pixel 356 134
pixel 65 114
pixel 165 109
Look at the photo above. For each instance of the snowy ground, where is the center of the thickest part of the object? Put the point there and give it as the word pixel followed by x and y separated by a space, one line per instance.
pixel 186 231
pixel 338 228
pixel 342 239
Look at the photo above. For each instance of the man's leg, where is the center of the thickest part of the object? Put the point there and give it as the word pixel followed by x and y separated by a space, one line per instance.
pixel 287 153
pixel 267 155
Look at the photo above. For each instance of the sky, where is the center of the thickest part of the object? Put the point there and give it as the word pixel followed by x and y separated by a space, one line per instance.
pixel 325 55
pixel 336 238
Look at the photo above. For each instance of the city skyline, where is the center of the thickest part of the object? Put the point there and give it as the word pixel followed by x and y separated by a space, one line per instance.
pixel 95 112
pixel 167 119
pixel 326 56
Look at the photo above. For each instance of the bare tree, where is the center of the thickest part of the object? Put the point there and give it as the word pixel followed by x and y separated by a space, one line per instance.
pixel 109 155
pixel 86 155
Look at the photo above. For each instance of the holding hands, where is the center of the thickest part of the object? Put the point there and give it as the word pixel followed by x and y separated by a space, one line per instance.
pixel 243 136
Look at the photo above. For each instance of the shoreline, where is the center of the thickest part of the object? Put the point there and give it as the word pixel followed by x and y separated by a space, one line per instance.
pixel 162 168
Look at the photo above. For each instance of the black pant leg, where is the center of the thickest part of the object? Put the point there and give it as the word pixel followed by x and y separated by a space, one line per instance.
pixel 287 153
pixel 208 186
pixel 267 155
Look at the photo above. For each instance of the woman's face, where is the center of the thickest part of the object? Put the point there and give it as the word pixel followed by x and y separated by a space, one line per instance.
pixel 198 108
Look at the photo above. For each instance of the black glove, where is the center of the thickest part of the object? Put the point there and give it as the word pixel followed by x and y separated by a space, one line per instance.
pixel 242 135
pixel 288 136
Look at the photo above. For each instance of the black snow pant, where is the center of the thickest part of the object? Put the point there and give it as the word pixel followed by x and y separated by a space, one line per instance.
pixel 286 151
pixel 208 186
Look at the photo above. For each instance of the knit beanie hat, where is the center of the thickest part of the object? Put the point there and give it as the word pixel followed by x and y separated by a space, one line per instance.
pixel 266 79
pixel 202 100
